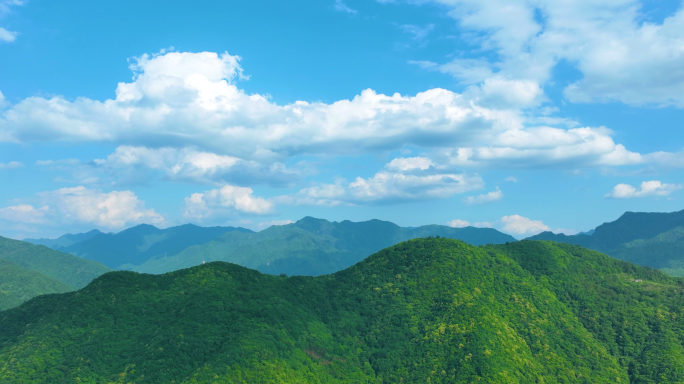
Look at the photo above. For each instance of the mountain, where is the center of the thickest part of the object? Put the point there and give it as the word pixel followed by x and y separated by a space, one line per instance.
pixel 18 284
pixel 649 239
pixel 69 269
pixel 311 246
pixel 28 270
pixel 426 310
pixel 65 240
pixel 136 245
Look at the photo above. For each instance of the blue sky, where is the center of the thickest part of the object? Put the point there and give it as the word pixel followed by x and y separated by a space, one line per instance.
pixel 520 115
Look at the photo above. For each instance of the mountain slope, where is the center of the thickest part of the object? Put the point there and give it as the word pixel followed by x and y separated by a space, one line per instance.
pixel 18 284
pixel 428 310
pixel 65 240
pixel 137 244
pixel 69 269
pixel 311 246
pixel 641 238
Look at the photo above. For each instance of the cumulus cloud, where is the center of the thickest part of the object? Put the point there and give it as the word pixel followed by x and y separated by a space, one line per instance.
pixel 647 188
pixel 402 179
pixel 485 198
pixel 190 102
pixel 547 147
pixel 621 56
pixel 457 223
pixel 24 213
pixel 520 225
pixel 80 205
pixel 197 166
pixel 10 165
pixel 225 201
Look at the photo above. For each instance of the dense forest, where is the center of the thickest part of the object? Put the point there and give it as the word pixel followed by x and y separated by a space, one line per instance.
pixel 429 310
pixel 28 270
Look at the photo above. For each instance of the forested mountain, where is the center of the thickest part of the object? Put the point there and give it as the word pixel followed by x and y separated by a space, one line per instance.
pixel 426 310
pixel 28 270
pixel 136 245
pixel 312 246
pixel 18 284
pixel 649 239
pixel 65 240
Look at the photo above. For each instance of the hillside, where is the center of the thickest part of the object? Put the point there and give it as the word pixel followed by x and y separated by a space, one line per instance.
pixel 65 240
pixel 311 246
pixel 69 269
pixel 427 310
pixel 642 238
pixel 18 284
pixel 136 245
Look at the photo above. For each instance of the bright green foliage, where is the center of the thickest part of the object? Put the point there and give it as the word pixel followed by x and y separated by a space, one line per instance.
pixel 69 269
pixel 636 313
pixel 311 246
pixel 18 284
pixel 427 310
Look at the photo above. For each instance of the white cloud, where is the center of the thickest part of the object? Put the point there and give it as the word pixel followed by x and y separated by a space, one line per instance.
pixel 520 225
pixel 7 36
pixel 511 179
pixel 456 223
pixel 115 209
pixel 547 147
pixel 24 213
pixel 485 198
pixel 340 6
pixel 188 102
pixel 647 188
pixel 11 165
pixel 225 201
pixel 80 205
pixel 200 166
pixel 621 55
pixel 409 163
pixel 403 179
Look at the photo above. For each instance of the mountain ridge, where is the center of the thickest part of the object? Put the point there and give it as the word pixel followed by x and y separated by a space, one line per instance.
pixel 311 246
pixel 437 309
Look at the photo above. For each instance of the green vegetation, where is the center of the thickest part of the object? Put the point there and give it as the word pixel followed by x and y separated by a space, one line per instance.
pixel 18 284
pixel 136 245
pixel 69 269
pixel 28 270
pixel 426 310
pixel 311 247
pixel 655 240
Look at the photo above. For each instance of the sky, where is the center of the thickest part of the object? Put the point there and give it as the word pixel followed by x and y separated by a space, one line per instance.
pixel 520 115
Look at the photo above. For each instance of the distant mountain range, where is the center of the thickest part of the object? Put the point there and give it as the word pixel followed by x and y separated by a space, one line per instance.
pixel 65 240
pixel 136 245
pixel 423 311
pixel 311 246
pixel 649 239
pixel 28 270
